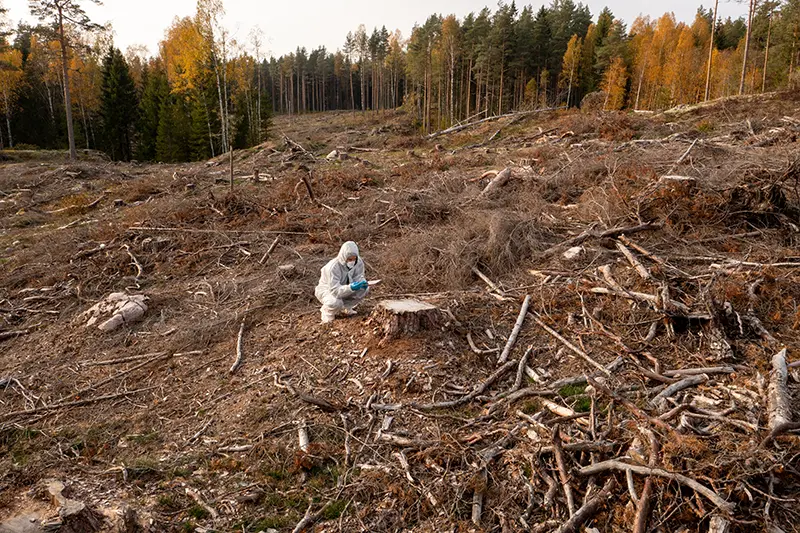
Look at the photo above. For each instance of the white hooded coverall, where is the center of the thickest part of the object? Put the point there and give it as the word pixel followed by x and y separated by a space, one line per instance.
pixel 333 290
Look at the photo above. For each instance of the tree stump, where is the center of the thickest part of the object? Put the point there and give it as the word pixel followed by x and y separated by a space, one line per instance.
pixel 75 516
pixel 403 317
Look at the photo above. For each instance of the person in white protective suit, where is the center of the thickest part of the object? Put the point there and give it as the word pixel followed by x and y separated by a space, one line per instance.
pixel 342 284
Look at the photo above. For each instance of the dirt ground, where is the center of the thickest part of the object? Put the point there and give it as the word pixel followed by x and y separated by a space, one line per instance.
pixel 650 243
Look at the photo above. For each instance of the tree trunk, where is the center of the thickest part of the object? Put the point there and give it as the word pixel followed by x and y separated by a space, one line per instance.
pixel 224 139
pixel 258 104
pixel 83 117
pixel 469 87
pixel 500 96
pixel 766 55
pixel 8 120
pixel 73 153
pixel 208 124
pixel 352 94
pixel 792 56
pixel 710 53
pixel 747 44
pixel 452 85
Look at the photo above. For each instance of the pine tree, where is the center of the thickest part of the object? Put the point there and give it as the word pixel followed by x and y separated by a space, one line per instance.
pixel 118 107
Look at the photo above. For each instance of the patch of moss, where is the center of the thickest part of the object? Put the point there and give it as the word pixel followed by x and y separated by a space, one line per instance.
pixel 198 512
pixel 334 510
pixel 571 390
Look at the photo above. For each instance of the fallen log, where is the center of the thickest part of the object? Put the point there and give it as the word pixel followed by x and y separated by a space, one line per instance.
pixel 461 127
pixel 79 403
pixel 660 400
pixel 591 234
pixel 780 410
pixel 643 506
pixel 635 263
pixel 614 464
pixel 498 181
pixel 696 371
pixel 562 471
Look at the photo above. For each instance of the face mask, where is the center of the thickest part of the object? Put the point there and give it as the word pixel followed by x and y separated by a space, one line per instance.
pixel 351 264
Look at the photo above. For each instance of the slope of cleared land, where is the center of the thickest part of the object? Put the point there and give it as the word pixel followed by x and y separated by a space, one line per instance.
pixel 682 232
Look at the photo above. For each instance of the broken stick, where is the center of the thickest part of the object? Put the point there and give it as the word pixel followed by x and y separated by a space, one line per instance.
pixel 562 470
pixel 512 339
pixel 614 464
pixel 660 400
pixel 589 509
pixel 477 391
pixel 569 345
pixel 239 352
pixel 635 263
pixel 270 250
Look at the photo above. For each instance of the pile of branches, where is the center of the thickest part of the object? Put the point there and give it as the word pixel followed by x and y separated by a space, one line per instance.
pixel 641 437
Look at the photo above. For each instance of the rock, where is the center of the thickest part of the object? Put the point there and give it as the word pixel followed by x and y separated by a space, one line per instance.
pixel 573 253
pixel 117 309
pixel 75 516
pixel 119 202
pixel 336 155
pixel 287 270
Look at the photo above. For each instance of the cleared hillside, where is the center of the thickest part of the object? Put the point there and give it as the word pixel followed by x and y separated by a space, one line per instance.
pixel 682 230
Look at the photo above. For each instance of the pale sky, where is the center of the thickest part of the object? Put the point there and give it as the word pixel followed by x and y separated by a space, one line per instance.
pixel 311 23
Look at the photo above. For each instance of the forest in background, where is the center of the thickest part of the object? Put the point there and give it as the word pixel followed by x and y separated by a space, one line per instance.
pixel 204 93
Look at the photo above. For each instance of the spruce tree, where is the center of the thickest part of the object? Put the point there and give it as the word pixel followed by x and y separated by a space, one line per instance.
pixel 156 92
pixel 172 144
pixel 118 107
pixel 199 147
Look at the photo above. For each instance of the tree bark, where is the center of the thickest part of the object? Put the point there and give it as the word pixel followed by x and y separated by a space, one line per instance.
pixel 766 55
pixel 747 44
pixel 710 54
pixel 73 153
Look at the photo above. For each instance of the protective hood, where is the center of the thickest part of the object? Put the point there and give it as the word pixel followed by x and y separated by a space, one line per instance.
pixel 349 248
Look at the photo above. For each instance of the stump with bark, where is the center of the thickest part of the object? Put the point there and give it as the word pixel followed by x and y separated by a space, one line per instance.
pixel 404 317
pixel 74 516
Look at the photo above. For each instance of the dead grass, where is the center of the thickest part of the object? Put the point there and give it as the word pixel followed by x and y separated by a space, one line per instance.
pixel 431 229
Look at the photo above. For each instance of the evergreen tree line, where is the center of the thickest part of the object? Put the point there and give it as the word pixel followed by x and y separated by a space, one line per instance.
pixel 205 92
pixel 164 108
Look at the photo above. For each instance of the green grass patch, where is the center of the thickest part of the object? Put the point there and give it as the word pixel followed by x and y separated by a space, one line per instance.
pixel 582 404
pixel 571 390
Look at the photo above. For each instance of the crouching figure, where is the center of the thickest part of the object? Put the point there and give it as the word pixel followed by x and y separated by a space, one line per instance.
pixel 342 284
